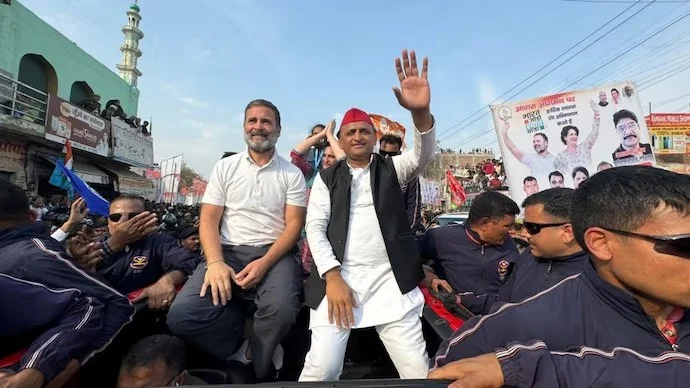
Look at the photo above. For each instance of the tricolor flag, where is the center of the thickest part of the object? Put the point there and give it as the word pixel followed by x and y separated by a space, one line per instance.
pixel 94 201
pixel 58 178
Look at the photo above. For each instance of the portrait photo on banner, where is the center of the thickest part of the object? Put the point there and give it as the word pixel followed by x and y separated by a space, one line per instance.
pixel 562 139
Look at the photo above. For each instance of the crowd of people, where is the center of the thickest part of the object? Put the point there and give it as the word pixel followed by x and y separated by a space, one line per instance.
pixel 592 288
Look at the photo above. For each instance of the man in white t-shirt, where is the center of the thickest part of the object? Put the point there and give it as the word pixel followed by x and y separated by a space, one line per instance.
pixel 540 163
pixel 259 200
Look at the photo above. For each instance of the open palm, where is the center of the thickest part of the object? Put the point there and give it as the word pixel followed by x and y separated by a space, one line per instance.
pixel 414 93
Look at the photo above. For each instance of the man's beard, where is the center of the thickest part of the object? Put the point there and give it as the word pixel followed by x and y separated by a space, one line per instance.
pixel 265 145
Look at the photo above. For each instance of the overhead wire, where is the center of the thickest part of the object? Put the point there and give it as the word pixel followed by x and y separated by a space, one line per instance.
pixel 555 68
pixel 539 70
pixel 620 53
pixel 668 75
pixel 649 26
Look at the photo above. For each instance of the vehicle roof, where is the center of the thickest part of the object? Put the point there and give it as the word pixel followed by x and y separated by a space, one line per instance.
pixel 454 215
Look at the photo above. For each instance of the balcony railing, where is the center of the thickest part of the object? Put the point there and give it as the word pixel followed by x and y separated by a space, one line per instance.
pixel 22 101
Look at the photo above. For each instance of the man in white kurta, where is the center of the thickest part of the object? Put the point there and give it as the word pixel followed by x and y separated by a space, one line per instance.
pixel 366 268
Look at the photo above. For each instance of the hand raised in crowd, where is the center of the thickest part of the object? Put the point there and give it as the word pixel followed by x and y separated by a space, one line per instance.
pixel 341 300
pixel 219 277
pixel 160 295
pixel 84 250
pixel 77 213
pixel 127 231
pixel 252 274
pixel 476 372
pixel 330 127
pixel 414 93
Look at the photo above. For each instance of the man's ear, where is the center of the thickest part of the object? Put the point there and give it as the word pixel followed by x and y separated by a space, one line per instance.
pixel 568 237
pixel 484 223
pixel 598 243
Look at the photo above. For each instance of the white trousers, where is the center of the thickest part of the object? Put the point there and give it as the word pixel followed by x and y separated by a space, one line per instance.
pixel 403 340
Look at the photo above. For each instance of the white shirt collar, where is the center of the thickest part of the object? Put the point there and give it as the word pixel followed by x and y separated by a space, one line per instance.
pixel 371 158
pixel 249 159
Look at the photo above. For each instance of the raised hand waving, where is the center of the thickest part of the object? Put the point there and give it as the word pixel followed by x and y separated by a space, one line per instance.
pixel 414 93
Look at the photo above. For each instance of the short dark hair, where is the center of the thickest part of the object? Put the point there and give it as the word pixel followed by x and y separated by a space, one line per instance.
pixel 528 179
pixel 14 204
pixel 580 169
pixel 265 104
pixel 542 134
pixel 158 347
pixel 317 126
pixel 391 139
pixel 566 129
pixel 625 198
pixel 604 164
pixel 555 173
pixel 624 114
pixel 556 202
pixel 492 205
pixel 129 197
pixel 227 154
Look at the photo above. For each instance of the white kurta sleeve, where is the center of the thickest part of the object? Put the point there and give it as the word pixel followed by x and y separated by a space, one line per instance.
pixel 318 217
pixel 412 162
pixel 59 235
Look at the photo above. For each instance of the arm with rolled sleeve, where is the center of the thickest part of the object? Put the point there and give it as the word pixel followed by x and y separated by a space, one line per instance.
pixel 535 366
pixel 411 163
pixel 318 217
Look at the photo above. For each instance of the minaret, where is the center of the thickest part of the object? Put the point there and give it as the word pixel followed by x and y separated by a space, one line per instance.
pixel 130 49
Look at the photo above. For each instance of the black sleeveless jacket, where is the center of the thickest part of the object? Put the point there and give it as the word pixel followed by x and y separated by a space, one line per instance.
pixel 400 242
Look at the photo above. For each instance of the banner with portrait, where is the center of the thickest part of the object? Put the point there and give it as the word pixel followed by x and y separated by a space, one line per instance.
pixel 385 126
pixel 563 139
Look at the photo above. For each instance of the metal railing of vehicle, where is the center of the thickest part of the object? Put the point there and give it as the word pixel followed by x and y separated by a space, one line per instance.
pixel 22 101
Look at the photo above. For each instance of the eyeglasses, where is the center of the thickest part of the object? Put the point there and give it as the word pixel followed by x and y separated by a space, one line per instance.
pixel 534 228
pixel 676 245
pixel 389 153
pixel 628 125
pixel 115 217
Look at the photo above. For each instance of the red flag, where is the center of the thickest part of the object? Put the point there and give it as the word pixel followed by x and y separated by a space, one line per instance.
pixel 457 192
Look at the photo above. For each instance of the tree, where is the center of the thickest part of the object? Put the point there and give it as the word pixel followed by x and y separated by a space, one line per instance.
pixel 187 175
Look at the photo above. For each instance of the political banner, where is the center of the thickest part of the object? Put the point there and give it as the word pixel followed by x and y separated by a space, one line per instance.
pixel 385 126
pixel 84 130
pixel 430 192
pixel 170 178
pixel 563 139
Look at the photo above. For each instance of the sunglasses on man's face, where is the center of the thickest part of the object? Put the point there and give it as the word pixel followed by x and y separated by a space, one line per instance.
pixel 116 217
pixel 389 153
pixel 676 245
pixel 534 228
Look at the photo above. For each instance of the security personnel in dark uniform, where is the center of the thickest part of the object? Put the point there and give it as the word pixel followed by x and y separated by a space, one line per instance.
pixel 553 253
pixel 629 304
pixel 134 258
pixel 475 257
